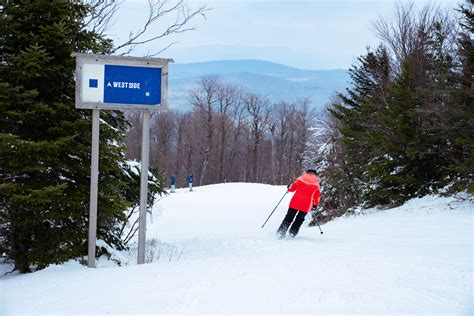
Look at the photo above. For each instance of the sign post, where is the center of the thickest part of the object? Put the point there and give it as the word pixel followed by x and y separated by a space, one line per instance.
pixel 120 83
pixel 144 186
pixel 94 187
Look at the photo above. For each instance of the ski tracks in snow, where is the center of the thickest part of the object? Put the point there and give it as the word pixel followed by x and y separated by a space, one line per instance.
pixel 216 259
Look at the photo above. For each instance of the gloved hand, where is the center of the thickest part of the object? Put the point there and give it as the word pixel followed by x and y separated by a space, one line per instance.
pixel 288 186
pixel 314 208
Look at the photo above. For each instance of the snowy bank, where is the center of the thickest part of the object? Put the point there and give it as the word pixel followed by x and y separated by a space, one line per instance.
pixel 211 256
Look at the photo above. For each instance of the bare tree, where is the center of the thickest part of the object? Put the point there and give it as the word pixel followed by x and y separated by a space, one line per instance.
pixel 239 124
pixel 272 128
pixel 186 150
pixel 100 15
pixel 410 31
pixel 203 98
pixel 258 110
pixel 178 11
pixel 181 122
pixel 228 97
pixel 281 116
pixel 231 135
pixel 303 121
pixel 134 135
pixel 175 15
pixel 161 137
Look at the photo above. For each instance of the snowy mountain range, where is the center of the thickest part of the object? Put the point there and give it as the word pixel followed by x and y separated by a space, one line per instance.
pixel 275 81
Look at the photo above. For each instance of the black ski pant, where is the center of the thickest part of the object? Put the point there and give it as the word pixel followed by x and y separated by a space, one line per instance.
pixel 287 221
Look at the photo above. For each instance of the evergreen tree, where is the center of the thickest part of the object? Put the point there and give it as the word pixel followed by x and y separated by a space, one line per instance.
pixel 408 160
pixel 323 153
pixel 460 114
pixel 359 112
pixel 422 126
pixel 406 132
pixel 45 142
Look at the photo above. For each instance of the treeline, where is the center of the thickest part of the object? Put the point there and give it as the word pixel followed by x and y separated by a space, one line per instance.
pixel 45 143
pixel 405 127
pixel 230 135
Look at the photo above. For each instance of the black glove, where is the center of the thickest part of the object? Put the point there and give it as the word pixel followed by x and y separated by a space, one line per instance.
pixel 288 186
pixel 314 208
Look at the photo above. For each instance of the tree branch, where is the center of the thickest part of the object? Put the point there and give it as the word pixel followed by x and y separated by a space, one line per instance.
pixel 158 9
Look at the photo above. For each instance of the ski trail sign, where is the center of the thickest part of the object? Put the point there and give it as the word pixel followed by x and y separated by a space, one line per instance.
pixel 120 83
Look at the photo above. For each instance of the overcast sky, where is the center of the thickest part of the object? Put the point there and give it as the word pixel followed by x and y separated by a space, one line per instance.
pixel 312 34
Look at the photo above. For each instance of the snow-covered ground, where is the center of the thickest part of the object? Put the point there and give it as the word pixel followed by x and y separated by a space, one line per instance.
pixel 211 256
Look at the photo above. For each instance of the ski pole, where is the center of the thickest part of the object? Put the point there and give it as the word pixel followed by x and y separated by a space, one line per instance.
pixel 318 225
pixel 275 208
pixel 315 218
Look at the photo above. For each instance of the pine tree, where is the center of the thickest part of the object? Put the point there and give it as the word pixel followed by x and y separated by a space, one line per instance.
pixel 407 130
pixel 426 125
pixel 323 153
pixel 45 141
pixel 460 114
pixel 359 112
pixel 410 156
pixel 401 166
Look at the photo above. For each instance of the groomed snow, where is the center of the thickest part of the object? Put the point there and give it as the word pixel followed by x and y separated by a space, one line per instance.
pixel 211 256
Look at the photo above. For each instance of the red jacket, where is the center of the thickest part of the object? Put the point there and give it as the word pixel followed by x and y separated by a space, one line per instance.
pixel 307 193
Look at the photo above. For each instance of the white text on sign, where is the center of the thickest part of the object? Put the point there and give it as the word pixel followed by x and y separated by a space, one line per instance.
pixel 124 85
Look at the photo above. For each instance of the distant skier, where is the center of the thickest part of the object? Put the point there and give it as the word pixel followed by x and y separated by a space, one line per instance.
pixel 304 200
pixel 172 184
pixel 190 181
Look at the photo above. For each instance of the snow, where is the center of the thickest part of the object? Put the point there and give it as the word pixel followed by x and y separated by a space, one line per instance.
pixel 211 256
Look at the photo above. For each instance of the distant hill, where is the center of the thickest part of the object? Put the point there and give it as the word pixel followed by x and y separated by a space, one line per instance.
pixel 277 82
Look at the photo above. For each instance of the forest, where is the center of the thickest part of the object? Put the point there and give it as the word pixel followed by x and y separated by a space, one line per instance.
pixel 405 127
pixel 231 135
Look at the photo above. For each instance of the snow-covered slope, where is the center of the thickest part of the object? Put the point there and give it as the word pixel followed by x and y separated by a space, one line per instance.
pixel 211 256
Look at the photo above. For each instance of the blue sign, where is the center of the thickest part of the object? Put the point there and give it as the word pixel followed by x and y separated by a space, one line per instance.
pixel 132 85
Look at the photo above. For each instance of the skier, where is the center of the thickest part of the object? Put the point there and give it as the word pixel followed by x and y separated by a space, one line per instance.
pixel 190 181
pixel 306 198
pixel 172 183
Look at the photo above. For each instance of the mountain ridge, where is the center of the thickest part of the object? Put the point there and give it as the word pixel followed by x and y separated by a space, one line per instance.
pixel 276 81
